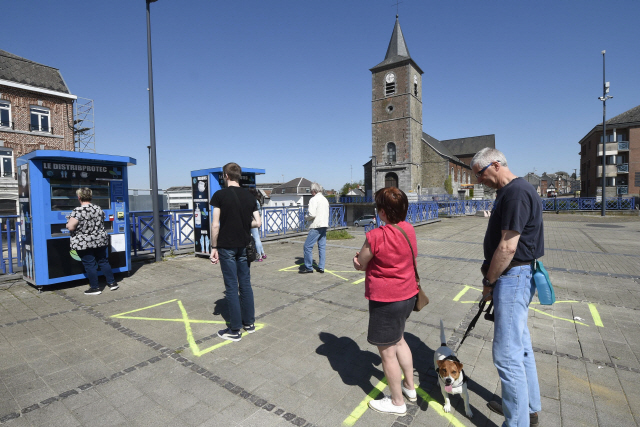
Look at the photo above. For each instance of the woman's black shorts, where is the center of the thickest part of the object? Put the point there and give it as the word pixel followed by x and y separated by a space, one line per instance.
pixel 386 321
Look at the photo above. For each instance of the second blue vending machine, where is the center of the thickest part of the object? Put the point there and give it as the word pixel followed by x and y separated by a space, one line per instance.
pixel 204 183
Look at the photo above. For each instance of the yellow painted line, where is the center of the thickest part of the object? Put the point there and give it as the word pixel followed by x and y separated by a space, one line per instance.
pixel 289 268
pixel 144 308
pixel 438 408
pixel 359 281
pixel 556 317
pixel 364 405
pixel 461 293
pixel 195 349
pixel 595 315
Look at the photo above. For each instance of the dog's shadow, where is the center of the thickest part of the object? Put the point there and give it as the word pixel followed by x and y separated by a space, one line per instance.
pixel 428 381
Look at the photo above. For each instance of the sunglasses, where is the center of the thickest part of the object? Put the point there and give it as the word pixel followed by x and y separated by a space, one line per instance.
pixel 479 174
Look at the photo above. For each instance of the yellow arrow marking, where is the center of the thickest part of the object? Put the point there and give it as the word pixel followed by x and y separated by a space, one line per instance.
pixel 195 349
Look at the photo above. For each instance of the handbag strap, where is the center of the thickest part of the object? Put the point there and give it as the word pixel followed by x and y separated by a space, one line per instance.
pixel 413 256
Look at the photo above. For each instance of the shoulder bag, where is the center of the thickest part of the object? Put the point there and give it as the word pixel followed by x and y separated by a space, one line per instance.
pixel 540 278
pixel 252 253
pixel 421 299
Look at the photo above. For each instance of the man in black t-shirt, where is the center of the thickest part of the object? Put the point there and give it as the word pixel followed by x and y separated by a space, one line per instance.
pixel 234 214
pixel 514 238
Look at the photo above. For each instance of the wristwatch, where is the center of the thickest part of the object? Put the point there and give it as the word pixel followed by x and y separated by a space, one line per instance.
pixel 485 282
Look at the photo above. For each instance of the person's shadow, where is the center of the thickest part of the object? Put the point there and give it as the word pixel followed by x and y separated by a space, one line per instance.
pixel 355 366
pixel 222 309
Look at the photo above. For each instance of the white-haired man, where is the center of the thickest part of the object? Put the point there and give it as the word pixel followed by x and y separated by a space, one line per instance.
pixel 513 240
pixel 318 212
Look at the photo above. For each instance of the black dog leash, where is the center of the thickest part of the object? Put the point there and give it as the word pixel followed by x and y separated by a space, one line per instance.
pixel 488 316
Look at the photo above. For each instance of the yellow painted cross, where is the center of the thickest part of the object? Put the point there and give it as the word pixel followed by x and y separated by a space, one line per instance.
pixel 334 272
pixel 195 348
pixel 362 406
pixel 592 308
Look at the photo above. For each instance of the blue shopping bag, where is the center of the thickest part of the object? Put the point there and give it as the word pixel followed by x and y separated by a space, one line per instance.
pixel 546 295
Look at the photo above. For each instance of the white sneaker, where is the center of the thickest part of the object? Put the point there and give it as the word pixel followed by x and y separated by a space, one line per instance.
pixel 386 406
pixel 411 395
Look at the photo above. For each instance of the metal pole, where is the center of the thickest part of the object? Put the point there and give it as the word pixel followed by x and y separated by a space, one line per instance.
pixel 157 226
pixel 603 204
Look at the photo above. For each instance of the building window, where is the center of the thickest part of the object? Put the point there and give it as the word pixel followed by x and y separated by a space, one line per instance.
pixel 6 162
pixel 283 192
pixel 611 160
pixel 40 119
pixel 464 177
pixel 611 181
pixel 5 114
pixel 389 84
pixel 391 152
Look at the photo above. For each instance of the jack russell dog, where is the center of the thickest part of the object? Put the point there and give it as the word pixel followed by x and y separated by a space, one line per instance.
pixel 451 377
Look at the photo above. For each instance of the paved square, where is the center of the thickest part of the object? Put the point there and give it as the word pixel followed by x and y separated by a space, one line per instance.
pixel 148 354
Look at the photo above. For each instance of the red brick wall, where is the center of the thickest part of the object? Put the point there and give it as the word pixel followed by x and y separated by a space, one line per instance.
pixel 21 140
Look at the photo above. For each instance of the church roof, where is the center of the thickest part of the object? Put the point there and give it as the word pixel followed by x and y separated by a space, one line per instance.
pixel 470 145
pixel 24 71
pixel 439 147
pixel 397 52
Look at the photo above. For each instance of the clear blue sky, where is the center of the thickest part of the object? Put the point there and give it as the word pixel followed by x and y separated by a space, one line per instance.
pixel 285 85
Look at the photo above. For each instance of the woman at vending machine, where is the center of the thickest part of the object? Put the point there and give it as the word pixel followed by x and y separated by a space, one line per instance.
pixel 90 240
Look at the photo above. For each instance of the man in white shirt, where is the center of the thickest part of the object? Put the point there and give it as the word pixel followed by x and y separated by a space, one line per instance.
pixel 319 213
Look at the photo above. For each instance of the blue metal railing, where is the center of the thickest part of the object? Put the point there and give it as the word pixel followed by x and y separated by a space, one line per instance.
pixel 277 221
pixel 10 243
pixel 356 199
pixel 587 204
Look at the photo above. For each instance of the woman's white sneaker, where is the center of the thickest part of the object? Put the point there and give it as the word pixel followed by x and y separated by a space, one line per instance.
pixel 386 406
pixel 411 395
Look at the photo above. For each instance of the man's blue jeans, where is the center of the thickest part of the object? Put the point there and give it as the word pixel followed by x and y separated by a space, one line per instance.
pixel 237 283
pixel 91 259
pixel 512 351
pixel 315 235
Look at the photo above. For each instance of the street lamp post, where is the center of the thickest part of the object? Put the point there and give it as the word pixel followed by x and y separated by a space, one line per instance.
pixel 157 232
pixel 603 98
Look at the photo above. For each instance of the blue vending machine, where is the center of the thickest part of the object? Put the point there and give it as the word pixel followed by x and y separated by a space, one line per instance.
pixel 204 183
pixel 47 184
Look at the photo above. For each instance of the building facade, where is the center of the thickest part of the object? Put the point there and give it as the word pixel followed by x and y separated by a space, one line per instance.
pixel 622 157
pixel 403 155
pixel 36 113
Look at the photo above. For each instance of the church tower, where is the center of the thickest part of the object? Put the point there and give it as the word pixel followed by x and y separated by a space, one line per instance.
pixel 397 118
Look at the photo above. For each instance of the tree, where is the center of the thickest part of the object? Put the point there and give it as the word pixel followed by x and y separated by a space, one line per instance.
pixel 447 185
pixel 350 186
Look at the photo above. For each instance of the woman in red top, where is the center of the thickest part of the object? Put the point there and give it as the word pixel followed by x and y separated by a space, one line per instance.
pixel 391 288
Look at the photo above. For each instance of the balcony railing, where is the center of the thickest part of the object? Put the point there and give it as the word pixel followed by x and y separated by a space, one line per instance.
pixel 623 189
pixel 623 146
pixel 623 168
pixel 41 129
pixel 6 124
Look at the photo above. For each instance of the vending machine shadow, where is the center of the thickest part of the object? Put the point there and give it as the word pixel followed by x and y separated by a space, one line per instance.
pixel 48 180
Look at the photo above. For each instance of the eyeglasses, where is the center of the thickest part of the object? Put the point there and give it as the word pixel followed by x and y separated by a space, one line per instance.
pixel 479 174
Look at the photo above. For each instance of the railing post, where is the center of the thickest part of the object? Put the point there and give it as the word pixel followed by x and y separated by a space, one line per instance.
pixel 18 227
pixel 9 248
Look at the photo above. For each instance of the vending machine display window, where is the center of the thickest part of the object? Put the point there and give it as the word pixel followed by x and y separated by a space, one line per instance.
pixel 64 198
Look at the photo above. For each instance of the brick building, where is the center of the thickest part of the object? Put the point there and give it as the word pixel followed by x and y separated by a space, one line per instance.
pixel 403 155
pixel 622 157
pixel 36 112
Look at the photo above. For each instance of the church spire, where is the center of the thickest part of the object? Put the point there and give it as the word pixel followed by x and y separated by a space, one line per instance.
pixel 397 52
pixel 397 45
